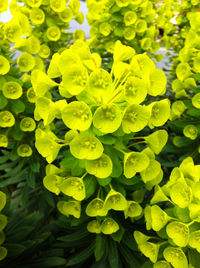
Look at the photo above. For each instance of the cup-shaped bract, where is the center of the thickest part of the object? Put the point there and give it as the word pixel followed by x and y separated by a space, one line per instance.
pixel 109 226
pixel 179 233
pixel 3 6
pixel 46 144
pixel 4 65
pixel 190 131
pixel 86 146
pixel 194 240
pixel 30 93
pixel 3 222
pixel 27 124
pixel 176 257
pixel 58 5
pixel 74 187
pixel 181 194
pixel 66 15
pixel 100 167
pixel 2 200
pixel 158 82
pixel 152 171
pixel 74 79
pixel 135 118
pixel 33 45
pixel 142 65
pixel 107 118
pixel 157 140
pixel 140 238
pixel 41 83
pixel 196 100
pixel 26 62
pixel 53 33
pixel 183 71
pixel 158 218
pixel 133 209
pixel 44 51
pixel 122 52
pixel 94 227
pixel 161 264
pixel 46 110
pixel 70 135
pixel 150 250
pixel 37 16
pixel 135 90
pixel 130 18
pixel 70 208
pixel 34 3
pixel 6 119
pixel 12 90
pixel 99 83
pixel 96 208
pixel 77 115
pixel 3 253
pixel 3 140
pixel 135 162
pixel 115 200
pixel 12 31
pixel 24 150
pixel 52 182
pixel 160 112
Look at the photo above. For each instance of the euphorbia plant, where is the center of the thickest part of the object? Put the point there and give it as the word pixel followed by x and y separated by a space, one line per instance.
pixel 131 22
pixel 174 217
pixel 93 132
pixel 3 223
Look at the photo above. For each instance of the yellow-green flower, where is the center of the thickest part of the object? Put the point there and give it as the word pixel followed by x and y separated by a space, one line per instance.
pixel 37 16
pixel 58 5
pixel 34 3
pixel 4 65
pixel 12 90
pixel 26 62
pixel 24 150
pixel 27 124
pixel 6 119
pixel 44 51
pixel 3 141
pixel 53 33
pixel 3 5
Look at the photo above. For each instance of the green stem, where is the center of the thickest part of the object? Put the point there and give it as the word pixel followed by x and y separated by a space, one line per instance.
pixel 136 143
pixel 190 223
pixel 137 138
pixel 118 149
pixel 84 175
pixel 99 192
pixel 111 188
pixel 163 243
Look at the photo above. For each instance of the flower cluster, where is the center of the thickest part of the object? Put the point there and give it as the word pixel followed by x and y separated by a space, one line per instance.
pixel 39 28
pixel 100 113
pixel 175 219
pixel 132 22
pixel 3 223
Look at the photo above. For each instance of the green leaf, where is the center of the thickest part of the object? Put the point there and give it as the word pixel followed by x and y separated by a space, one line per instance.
pixel 14 249
pixel 75 236
pixel 50 262
pixel 90 185
pixel 113 256
pixel 31 179
pixel 81 256
pixel 100 246
pixel 104 182
pixel 118 235
pixel 17 106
